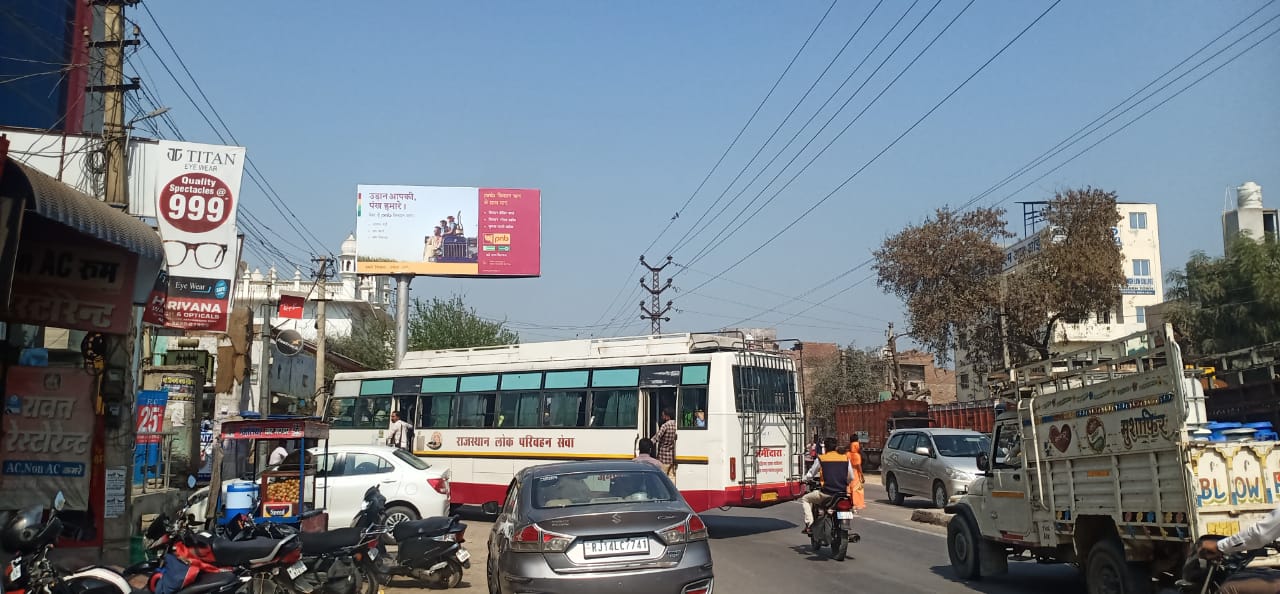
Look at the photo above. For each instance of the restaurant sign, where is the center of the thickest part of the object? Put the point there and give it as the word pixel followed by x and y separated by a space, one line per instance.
pixel 73 285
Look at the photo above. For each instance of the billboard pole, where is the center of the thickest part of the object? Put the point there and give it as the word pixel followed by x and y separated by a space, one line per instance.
pixel 402 316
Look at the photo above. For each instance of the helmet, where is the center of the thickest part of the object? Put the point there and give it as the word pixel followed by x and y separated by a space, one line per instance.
pixel 24 532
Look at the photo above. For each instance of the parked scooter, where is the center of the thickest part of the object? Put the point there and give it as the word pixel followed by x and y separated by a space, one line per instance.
pixel 429 550
pixel 833 525
pixel 29 538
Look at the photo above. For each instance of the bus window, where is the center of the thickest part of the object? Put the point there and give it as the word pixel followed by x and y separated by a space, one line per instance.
pixel 518 409
pixel 476 410
pixel 340 412
pixel 362 413
pixel 407 406
pixel 436 410
pixel 764 390
pixel 693 408
pixel 566 409
pixel 615 409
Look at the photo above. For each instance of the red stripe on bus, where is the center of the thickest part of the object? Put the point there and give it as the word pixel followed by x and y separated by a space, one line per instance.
pixel 700 500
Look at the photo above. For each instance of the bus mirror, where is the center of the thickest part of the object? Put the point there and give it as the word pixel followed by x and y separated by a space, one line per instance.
pixel 984 462
pixel 490 508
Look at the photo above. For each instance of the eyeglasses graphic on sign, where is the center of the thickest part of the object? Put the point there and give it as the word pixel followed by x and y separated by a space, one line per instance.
pixel 207 255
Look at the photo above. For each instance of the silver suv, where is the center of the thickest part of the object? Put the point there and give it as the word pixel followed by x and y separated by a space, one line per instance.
pixel 934 463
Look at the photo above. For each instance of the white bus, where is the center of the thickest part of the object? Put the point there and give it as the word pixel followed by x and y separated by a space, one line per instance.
pixel 488 412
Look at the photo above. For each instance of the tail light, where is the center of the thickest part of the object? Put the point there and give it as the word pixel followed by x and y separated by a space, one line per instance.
pixel 844 505
pixel 441 485
pixel 733 468
pixel 702 587
pixel 461 536
pixel 690 530
pixel 533 539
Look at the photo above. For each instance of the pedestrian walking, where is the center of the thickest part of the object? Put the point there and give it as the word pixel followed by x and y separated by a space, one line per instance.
pixel 646 453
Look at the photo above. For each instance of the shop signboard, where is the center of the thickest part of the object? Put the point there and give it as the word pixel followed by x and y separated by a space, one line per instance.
pixel 73 283
pixel 448 231
pixel 197 195
pixel 48 436
pixel 150 407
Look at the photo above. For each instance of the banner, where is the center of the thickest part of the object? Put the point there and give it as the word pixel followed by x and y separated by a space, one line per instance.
pixel 291 307
pixel 440 231
pixel 150 419
pixel 71 283
pixel 198 191
pixel 48 436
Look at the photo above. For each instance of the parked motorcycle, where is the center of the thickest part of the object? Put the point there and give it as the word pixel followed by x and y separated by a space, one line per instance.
pixel 833 525
pixel 29 538
pixel 429 550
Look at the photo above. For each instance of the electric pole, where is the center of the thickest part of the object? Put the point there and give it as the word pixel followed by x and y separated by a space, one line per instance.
pixel 898 392
pixel 113 89
pixel 655 312
pixel 322 278
pixel 264 364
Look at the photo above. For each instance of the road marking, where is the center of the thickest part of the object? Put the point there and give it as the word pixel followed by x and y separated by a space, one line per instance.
pixel 908 528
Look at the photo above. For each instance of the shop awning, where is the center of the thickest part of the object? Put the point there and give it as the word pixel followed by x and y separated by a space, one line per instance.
pixel 51 199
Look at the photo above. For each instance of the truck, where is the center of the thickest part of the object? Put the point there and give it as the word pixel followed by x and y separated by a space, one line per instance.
pixel 975 416
pixel 1104 463
pixel 873 422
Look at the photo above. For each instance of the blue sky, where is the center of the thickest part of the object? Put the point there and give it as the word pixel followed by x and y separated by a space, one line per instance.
pixel 617 110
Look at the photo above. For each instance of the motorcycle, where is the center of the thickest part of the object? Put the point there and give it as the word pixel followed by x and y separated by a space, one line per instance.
pixel 429 550
pixel 1201 576
pixel 29 540
pixel 833 525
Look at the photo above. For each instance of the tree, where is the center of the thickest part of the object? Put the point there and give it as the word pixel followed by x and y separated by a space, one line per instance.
pixel 371 341
pixel 450 324
pixel 951 272
pixel 848 377
pixel 1228 303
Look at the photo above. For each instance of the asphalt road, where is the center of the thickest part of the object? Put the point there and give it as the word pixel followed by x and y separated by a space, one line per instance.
pixel 764 551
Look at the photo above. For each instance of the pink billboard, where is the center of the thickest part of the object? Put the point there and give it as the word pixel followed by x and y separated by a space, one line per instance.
pixel 448 231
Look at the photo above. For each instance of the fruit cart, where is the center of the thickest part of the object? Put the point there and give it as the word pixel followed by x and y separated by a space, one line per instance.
pixel 284 494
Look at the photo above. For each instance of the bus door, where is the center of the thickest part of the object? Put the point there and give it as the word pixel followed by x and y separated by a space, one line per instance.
pixel 658 389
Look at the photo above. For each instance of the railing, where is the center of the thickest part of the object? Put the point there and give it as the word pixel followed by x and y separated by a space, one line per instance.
pixel 155 473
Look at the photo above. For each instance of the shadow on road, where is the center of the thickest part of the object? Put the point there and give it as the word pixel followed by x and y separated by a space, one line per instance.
pixel 806 551
pixel 910 503
pixel 737 526
pixel 1065 580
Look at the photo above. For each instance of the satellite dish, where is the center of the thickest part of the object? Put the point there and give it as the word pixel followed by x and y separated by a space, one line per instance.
pixel 289 342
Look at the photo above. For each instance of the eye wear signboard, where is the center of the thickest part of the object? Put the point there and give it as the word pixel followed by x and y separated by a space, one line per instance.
pixel 198 191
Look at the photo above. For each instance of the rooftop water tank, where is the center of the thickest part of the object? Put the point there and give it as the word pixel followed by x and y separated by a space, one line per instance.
pixel 1249 195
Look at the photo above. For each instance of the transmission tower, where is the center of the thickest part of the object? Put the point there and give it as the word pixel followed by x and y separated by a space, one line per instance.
pixel 655 312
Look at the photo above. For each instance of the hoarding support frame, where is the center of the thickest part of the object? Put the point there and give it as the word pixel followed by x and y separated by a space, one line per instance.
pixel 402 316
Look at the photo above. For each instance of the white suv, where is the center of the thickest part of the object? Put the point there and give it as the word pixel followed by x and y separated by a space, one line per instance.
pixel 413 488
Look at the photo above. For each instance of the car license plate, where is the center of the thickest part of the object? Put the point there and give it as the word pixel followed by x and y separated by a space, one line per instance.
pixel 769 497
pixel 635 545
pixel 296 570
pixel 844 515
pixel 463 555
pixel 15 569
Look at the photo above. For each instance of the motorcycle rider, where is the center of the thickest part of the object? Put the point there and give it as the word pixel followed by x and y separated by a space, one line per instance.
pixel 1256 536
pixel 837 476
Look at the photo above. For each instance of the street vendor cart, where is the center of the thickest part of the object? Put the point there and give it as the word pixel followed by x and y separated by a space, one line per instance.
pixel 282 493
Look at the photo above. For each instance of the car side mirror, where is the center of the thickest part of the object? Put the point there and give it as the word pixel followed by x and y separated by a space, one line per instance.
pixel 490 508
pixel 984 462
pixel 923 451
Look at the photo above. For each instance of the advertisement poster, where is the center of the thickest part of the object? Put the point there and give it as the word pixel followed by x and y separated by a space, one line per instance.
pixel 446 231
pixel 198 192
pixel 48 436
pixel 181 390
pixel 150 419
pixel 115 492
pixel 80 285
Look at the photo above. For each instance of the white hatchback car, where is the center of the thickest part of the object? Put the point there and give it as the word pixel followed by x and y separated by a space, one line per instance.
pixel 414 489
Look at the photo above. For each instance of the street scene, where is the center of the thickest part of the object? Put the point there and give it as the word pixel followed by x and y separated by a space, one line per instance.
pixel 660 297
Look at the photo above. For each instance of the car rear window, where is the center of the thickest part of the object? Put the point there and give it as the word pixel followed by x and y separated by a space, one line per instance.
pixel 962 446
pixel 592 488
pixel 412 460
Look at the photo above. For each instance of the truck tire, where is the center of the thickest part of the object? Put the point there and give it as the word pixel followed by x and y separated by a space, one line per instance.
pixel 1107 571
pixel 891 487
pixel 964 547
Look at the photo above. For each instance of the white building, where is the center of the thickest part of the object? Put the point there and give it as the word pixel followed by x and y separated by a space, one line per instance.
pixel 1249 217
pixel 1138 234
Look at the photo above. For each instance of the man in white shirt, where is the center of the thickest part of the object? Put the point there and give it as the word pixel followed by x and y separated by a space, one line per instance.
pixel 278 455
pixel 1256 536
pixel 398 432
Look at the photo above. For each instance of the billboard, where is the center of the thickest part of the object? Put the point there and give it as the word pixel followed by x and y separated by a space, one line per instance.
pixel 197 193
pixel 448 231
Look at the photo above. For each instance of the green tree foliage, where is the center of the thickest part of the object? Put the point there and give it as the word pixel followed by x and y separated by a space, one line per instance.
pixel 848 377
pixel 451 324
pixel 371 342
pixel 948 270
pixel 1228 303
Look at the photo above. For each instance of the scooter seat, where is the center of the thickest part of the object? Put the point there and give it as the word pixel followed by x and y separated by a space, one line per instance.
pixel 319 543
pixel 233 553
pixel 426 527
pixel 208 583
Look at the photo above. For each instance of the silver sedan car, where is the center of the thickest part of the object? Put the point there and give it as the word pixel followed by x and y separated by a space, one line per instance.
pixel 595 527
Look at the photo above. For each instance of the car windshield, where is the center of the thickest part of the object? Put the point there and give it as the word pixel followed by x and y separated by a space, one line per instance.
pixel 591 488
pixel 962 446
pixel 412 460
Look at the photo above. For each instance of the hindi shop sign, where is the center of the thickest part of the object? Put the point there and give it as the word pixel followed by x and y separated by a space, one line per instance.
pixel 441 231
pixel 48 436
pixel 73 285
pixel 198 191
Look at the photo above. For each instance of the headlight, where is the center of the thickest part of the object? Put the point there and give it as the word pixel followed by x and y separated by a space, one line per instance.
pixel 958 475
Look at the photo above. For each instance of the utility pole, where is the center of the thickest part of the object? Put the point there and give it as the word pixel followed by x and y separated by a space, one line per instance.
pixel 113 90
pixel 264 365
pixel 322 278
pixel 402 316
pixel 898 392
pixel 655 312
